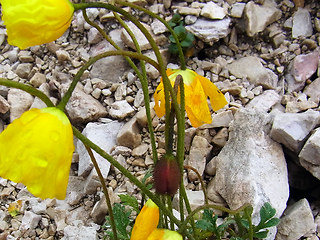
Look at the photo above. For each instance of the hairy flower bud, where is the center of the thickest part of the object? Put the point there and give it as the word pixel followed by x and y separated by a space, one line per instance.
pixel 166 175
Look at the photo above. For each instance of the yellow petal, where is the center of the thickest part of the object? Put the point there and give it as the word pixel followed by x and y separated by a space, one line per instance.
pixel 217 98
pixel 35 22
pixel 159 99
pixel 146 221
pixel 36 150
pixel 196 104
pixel 164 234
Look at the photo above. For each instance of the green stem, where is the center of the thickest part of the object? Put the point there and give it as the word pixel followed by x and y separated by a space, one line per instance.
pixel 92 60
pixel 180 51
pixel 105 191
pixel 167 85
pixel 126 173
pixel 33 91
pixel 169 201
pixel 142 78
pixel 207 206
pixel 201 182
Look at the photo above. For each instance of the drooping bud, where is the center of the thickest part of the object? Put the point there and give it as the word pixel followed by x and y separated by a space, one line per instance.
pixel 166 175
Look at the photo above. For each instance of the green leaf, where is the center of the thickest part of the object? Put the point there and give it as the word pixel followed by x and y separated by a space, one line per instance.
pixel 261 234
pixel 122 221
pixel 271 223
pixel 130 201
pixel 181 32
pixel 204 225
pixel 190 37
pixel 176 18
pixel 245 223
pixel 172 39
pixel 266 212
pixel 173 48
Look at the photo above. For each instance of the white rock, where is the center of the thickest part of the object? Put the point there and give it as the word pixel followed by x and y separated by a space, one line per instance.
pixel 141 39
pixel 291 129
pixel 313 90
pixel 158 27
pixel 221 119
pixel 237 10
pixel 265 101
pixel 196 199
pixel 302 25
pixel 309 156
pixel 200 148
pixel 210 30
pixel 129 135
pixel 120 109
pixel 251 166
pixel 94 36
pixel 79 233
pixel 38 79
pixel 213 11
pixel 252 68
pixel 4 105
pixel 260 16
pixel 30 220
pixel 103 135
pixel 296 222
pixel 83 107
pixel 20 101
pixel 101 68
pixel 23 70
pixel 100 209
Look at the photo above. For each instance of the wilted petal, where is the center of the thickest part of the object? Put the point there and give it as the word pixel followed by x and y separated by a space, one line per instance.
pixel 36 150
pixel 217 98
pixel 35 22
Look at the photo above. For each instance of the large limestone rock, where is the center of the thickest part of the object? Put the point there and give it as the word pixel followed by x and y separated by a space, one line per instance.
pixel 309 156
pixel 252 69
pixel 251 166
pixel 258 17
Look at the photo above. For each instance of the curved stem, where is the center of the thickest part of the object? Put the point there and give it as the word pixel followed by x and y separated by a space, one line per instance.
pixel 126 173
pixel 105 191
pixel 142 78
pixel 180 51
pixel 201 182
pixel 92 60
pixel 207 206
pixel 33 91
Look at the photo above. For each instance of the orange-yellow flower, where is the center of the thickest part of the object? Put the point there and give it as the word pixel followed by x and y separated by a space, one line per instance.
pixel 145 227
pixel 36 150
pixel 146 221
pixel 35 22
pixel 197 90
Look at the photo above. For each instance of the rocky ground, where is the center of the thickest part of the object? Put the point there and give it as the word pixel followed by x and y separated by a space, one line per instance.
pixel 262 147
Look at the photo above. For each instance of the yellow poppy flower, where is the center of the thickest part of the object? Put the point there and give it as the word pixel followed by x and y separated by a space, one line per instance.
pixel 145 227
pixel 36 150
pixel 197 90
pixel 146 221
pixel 35 22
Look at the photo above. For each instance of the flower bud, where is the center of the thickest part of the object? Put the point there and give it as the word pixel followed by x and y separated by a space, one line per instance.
pixel 166 175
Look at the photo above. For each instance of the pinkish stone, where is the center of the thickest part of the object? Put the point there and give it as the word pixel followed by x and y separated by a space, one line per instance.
pixel 304 66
